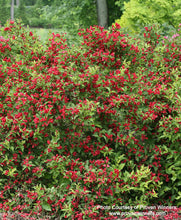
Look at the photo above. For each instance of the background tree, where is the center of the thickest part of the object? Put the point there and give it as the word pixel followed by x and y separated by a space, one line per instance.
pixel 30 2
pixel 68 14
pixel 18 3
pixel 4 14
pixel 115 10
pixel 140 13
pixel 12 9
pixel 102 13
pixel 22 12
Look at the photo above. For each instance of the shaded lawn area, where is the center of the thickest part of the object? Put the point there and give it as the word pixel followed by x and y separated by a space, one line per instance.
pixel 71 37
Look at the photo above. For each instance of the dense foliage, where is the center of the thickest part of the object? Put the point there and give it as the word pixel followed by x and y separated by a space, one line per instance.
pixel 4 12
pixel 88 127
pixel 65 14
pixel 139 13
pixel 52 14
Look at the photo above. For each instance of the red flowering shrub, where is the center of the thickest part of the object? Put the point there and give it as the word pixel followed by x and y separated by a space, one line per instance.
pixel 89 127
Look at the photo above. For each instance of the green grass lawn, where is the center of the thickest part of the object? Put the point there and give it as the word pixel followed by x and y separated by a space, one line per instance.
pixel 44 33
pixel 72 38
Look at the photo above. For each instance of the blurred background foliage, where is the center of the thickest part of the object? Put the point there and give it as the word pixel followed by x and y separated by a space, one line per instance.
pixel 70 15
pixel 57 13
pixel 140 13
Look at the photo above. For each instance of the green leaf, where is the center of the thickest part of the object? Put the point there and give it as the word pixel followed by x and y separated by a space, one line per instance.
pixel 173 178
pixel 121 166
pixel 178 163
pixel 178 197
pixel 46 206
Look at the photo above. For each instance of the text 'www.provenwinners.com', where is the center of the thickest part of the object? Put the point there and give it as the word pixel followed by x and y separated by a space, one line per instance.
pixel 136 211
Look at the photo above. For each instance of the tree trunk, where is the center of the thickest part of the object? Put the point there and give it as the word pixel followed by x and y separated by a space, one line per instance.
pixel 17 3
pixel 12 9
pixel 102 13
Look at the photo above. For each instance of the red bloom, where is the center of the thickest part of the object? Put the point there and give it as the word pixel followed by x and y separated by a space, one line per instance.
pixel 7 29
